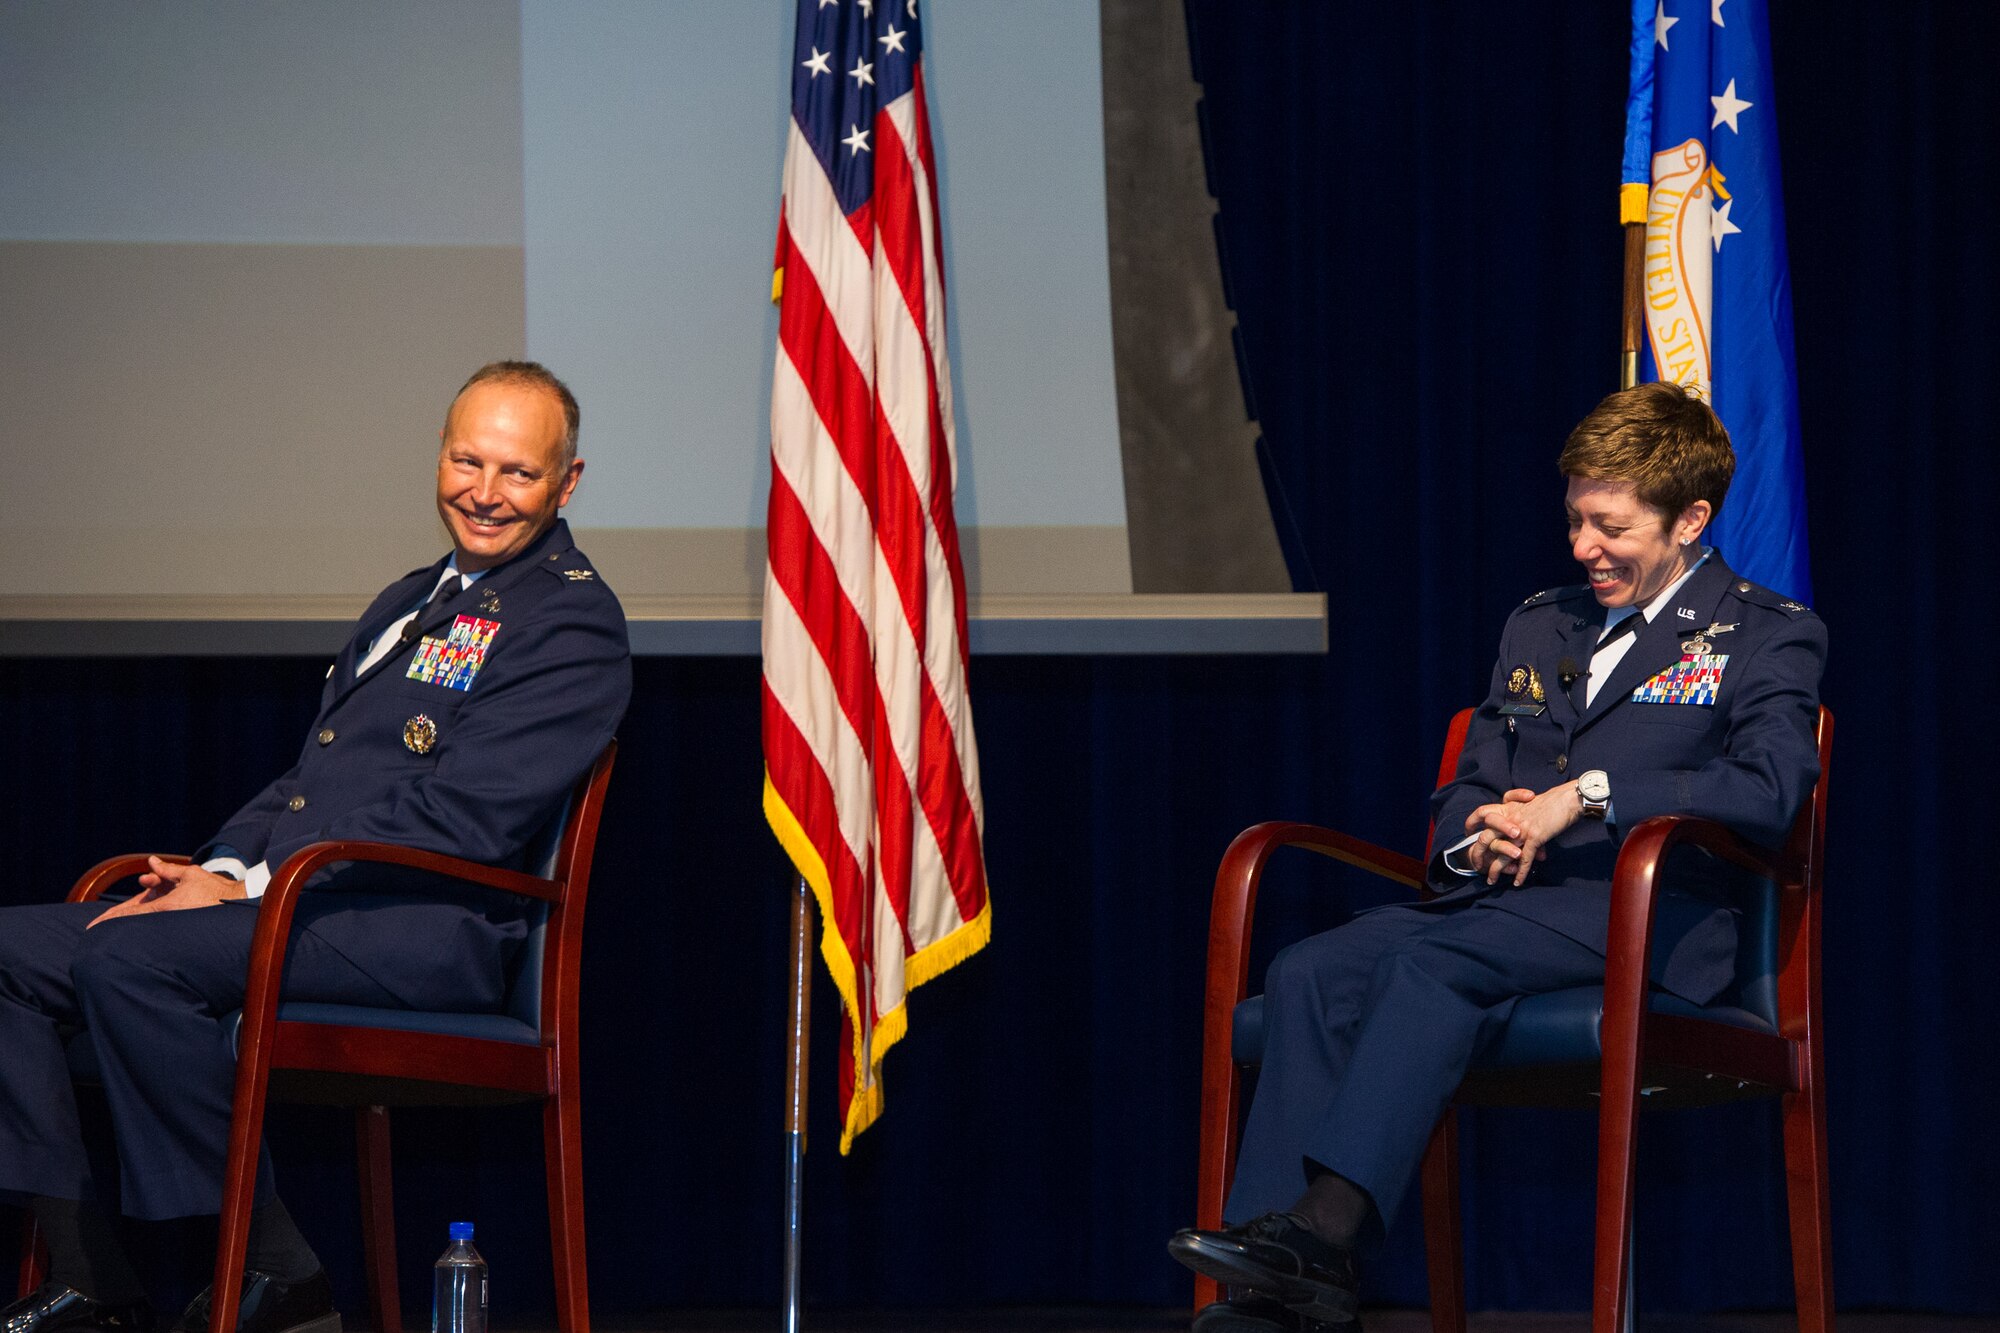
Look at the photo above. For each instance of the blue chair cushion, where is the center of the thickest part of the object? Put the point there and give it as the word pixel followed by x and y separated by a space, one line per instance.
pixel 488 1027
pixel 1560 1027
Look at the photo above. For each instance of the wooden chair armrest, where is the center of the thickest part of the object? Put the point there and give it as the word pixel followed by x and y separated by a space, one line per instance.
pixel 95 881
pixel 1725 843
pixel 303 864
pixel 1242 869
pixel 100 877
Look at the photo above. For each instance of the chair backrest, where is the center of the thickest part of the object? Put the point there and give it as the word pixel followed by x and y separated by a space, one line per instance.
pixel 1777 917
pixel 562 851
pixel 1454 745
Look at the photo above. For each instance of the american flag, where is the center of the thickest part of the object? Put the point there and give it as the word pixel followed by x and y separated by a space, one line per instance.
pixel 871 774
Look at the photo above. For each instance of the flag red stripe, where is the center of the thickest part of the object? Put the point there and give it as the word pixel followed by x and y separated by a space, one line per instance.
pixel 806 791
pixel 924 155
pixel 942 793
pixel 802 568
pixel 863 223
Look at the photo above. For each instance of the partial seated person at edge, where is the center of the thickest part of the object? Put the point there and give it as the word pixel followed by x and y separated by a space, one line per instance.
pixel 1370 1027
pixel 469 700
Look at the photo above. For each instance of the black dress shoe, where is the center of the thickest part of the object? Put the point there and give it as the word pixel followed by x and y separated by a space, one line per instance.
pixel 53 1306
pixel 1251 1313
pixel 271 1306
pixel 1275 1256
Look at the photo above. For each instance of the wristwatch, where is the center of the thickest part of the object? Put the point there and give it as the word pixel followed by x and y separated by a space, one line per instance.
pixel 1593 789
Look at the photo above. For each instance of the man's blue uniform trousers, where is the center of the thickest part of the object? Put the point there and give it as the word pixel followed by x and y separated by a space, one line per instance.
pixel 152 993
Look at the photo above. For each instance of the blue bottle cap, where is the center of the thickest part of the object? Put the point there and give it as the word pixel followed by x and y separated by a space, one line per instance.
pixel 461 1231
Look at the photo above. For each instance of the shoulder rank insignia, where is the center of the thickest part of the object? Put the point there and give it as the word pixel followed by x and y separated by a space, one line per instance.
pixel 1789 605
pixel 579 575
pixel 1525 695
pixel 455 659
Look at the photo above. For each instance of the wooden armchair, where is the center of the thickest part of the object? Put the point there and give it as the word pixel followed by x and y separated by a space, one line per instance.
pixel 1617 1044
pixel 371 1059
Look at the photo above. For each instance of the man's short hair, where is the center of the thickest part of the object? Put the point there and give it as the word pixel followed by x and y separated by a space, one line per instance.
pixel 1664 440
pixel 540 376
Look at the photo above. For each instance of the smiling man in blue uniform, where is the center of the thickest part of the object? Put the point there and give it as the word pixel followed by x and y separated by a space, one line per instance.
pixel 470 698
pixel 1664 684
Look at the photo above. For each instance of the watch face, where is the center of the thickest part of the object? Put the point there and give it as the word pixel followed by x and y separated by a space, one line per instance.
pixel 1594 786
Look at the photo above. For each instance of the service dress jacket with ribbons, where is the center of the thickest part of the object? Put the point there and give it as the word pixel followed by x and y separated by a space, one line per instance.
pixel 1726 732
pixel 463 742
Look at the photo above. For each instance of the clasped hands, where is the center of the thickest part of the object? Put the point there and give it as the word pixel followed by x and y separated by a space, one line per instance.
pixel 1515 832
pixel 170 887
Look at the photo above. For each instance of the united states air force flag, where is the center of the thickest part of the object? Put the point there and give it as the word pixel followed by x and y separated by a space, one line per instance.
pixel 1701 171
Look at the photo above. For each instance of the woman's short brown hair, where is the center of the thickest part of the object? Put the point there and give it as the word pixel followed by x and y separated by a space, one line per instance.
pixel 1668 443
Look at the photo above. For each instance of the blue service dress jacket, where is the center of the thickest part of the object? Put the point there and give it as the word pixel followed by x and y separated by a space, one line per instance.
pixel 464 742
pixel 1725 732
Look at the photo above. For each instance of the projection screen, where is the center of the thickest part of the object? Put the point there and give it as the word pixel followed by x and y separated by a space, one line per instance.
pixel 248 248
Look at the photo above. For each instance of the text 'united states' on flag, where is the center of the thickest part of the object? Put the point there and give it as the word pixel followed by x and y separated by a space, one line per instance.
pixel 871 773
pixel 1701 172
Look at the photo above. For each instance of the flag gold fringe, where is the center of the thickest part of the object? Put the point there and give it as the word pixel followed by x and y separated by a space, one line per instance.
pixel 1632 196
pixel 931 961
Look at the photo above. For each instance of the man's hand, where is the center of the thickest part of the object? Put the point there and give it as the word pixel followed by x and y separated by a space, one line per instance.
pixel 1515 833
pixel 170 888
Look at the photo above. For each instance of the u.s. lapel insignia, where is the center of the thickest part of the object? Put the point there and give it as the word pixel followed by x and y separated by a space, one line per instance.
pixel 1525 695
pixel 420 734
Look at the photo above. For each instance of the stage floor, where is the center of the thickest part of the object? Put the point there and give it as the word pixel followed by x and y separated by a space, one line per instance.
pixel 1100 1320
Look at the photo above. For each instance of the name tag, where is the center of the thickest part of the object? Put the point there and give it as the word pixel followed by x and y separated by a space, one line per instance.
pixel 456 658
pixel 1692 680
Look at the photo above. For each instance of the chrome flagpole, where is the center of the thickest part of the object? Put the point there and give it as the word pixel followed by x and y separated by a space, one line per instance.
pixel 795 1104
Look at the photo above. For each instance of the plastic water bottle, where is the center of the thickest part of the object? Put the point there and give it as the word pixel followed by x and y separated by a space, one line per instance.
pixel 458 1286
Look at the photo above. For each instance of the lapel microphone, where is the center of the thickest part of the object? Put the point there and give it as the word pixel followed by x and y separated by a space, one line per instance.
pixel 1567 673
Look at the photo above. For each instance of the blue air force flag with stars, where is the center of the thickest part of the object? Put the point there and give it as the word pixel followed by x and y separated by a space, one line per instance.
pixel 1701 171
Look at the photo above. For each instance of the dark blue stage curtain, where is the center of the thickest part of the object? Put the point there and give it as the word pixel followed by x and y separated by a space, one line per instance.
pixel 1417 207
